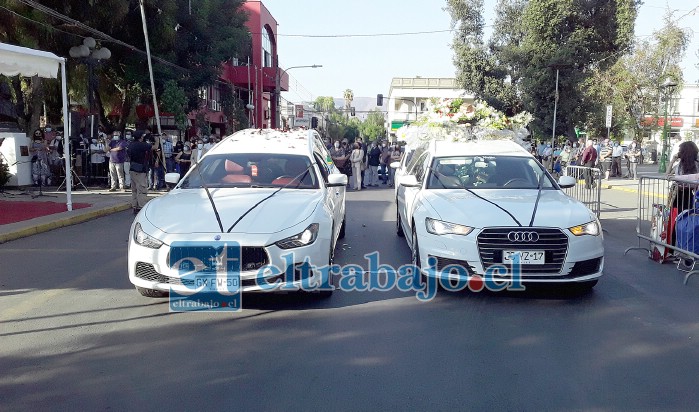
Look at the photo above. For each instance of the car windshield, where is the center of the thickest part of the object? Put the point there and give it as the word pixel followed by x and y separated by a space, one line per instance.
pixel 252 170
pixel 487 172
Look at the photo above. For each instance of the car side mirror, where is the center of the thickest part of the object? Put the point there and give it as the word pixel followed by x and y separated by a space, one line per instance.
pixel 409 181
pixel 337 180
pixel 395 165
pixel 172 178
pixel 566 182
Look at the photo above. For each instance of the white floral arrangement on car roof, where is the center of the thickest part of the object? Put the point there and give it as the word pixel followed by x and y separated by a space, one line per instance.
pixel 455 120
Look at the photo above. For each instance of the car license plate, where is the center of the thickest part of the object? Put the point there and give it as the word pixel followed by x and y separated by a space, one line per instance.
pixel 526 257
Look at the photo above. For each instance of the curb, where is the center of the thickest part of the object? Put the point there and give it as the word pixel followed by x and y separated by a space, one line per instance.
pixel 59 223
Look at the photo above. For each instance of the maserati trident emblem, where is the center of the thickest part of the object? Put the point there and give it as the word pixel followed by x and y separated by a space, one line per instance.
pixel 523 237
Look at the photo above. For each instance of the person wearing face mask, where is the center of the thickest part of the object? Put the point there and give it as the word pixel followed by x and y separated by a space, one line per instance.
pixel 340 157
pixel 198 151
pixel 184 159
pixel 395 157
pixel 140 153
pixel 39 149
pixel 633 155
pixel 97 158
pixel 374 160
pixel 168 153
pixel 617 151
pixel 117 157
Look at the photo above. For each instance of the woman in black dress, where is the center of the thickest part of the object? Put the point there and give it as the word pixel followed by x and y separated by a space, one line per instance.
pixel 184 159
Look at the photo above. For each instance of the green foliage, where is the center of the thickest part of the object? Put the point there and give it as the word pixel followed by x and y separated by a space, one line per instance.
pixel 195 45
pixel 373 127
pixel 516 70
pixel 324 104
pixel 174 100
pixel 4 173
pixel 631 85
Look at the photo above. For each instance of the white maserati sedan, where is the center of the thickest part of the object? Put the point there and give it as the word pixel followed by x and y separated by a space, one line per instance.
pixel 276 195
pixel 488 209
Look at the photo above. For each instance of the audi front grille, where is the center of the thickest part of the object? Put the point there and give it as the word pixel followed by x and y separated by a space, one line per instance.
pixel 554 243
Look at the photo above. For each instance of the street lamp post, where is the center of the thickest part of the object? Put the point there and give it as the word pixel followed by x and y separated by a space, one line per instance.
pixel 558 67
pixel 668 85
pixel 91 57
pixel 278 94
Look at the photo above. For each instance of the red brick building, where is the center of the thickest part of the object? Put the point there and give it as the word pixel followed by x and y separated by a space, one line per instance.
pixel 253 82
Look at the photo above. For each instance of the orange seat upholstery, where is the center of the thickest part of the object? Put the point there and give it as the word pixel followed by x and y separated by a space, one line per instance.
pixel 235 173
pixel 284 180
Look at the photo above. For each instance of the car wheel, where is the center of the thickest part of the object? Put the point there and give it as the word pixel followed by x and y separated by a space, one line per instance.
pixel 323 294
pixel 152 293
pixel 415 252
pixel 399 226
pixel 341 235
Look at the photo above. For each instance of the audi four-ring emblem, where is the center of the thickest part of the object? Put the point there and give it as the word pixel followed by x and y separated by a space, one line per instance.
pixel 522 237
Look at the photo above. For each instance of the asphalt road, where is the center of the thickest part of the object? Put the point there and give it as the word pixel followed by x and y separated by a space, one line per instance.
pixel 75 335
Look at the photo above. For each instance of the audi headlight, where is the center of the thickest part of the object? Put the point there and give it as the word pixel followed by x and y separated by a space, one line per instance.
pixel 590 228
pixel 144 239
pixel 438 227
pixel 304 238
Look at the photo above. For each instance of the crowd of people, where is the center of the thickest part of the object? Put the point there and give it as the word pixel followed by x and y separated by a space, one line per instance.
pixel 604 154
pixel 365 164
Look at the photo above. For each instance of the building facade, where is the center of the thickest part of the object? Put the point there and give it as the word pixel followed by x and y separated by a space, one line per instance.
pixel 252 81
pixel 682 118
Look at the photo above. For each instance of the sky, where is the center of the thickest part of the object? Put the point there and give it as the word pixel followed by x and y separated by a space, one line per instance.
pixel 367 64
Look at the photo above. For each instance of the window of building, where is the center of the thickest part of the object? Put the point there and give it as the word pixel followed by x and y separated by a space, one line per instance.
pixel 266 49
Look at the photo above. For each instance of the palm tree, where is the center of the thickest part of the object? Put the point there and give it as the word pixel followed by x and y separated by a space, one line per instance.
pixel 349 96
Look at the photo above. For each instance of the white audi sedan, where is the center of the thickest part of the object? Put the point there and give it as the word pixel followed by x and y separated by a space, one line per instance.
pixel 488 209
pixel 277 195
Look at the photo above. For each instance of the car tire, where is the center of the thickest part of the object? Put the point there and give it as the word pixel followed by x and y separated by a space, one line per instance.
pixel 152 293
pixel 341 235
pixel 415 253
pixel 324 294
pixel 399 225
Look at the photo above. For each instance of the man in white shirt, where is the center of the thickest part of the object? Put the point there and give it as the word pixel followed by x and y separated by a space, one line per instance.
pixel 617 151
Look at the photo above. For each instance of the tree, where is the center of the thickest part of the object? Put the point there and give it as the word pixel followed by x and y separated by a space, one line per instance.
pixel 373 127
pixel 631 85
pixel 349 97
pixel 187 48
pixel 514 72
pixel 324 104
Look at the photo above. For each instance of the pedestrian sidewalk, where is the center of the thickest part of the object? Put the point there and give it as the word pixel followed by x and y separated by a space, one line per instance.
pixel 49 212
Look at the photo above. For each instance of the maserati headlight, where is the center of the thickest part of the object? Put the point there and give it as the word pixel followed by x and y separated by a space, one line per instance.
pixel 304 238
pixel 438 227
pixel 591 228
pixel 144 239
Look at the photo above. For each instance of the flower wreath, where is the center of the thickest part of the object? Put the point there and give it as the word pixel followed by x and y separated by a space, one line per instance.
pixel 454 120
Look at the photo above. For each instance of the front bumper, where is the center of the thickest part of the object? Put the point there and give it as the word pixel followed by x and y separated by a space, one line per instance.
pixel 263 268
pixel 582 259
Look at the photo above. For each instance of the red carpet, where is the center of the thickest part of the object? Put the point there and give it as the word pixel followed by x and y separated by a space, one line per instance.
pixel 11 211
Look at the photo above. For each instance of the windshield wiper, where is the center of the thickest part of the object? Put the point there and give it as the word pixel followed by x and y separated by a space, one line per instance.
pixel 437 174
pixel 211 199
pixel 300 176
pixel 538 197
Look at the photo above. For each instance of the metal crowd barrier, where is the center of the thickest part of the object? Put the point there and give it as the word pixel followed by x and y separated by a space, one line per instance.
pixel 668 219
pixel 589 196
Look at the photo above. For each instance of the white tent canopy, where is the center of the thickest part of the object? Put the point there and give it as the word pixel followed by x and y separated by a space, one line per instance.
pixel 15 60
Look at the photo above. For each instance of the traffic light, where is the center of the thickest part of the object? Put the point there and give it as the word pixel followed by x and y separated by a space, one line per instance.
pixel 379 99
pixel 352 111
pixel 314 122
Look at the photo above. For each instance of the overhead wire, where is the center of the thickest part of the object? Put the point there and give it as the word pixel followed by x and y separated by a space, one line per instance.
pixel 102 36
